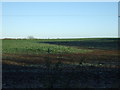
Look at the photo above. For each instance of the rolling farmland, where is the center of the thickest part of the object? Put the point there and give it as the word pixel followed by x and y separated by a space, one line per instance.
pixel 50 63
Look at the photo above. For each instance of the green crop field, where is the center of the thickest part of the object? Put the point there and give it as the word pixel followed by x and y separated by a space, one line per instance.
pixel 33 47
pixel 25 46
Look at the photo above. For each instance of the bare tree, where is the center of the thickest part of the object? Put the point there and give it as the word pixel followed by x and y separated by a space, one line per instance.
pixel 30 37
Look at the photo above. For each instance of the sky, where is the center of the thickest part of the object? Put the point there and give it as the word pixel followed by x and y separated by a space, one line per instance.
pixel 119 19
pixel 59 19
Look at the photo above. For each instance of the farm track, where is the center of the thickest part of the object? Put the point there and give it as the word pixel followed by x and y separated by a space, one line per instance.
pixel 95 57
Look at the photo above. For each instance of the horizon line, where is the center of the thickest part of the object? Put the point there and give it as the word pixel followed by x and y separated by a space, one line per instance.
pixel 60 37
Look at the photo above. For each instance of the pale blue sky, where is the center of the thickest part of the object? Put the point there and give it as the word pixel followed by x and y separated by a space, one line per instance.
pixel 60 19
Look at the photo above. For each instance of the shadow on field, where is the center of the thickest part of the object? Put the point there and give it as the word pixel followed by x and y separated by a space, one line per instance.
pixel 73 77
pixel 96 44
